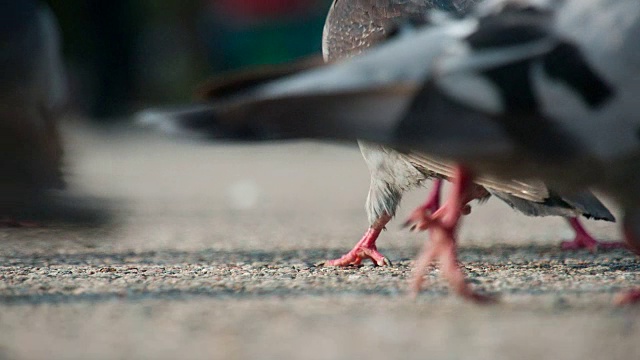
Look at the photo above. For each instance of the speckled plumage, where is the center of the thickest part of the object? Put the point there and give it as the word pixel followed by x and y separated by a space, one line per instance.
pixel 353 26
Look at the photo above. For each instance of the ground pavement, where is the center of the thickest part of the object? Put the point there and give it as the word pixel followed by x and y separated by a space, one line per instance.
pixel 211 256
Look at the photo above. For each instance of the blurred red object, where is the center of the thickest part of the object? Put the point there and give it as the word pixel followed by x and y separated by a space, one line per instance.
pixel 256 9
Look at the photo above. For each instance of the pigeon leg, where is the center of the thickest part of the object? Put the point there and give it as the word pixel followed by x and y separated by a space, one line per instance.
pixel 442 227
pixel 584 240
pixel 433 199
pixel 420 218
pixel 365 248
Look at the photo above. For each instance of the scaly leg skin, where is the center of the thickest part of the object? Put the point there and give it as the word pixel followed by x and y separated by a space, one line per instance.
pixel 584 240
pixel 365 248
pixel 433 199
pixel 442 227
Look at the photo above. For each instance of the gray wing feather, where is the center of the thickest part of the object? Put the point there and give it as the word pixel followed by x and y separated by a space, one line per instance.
pixel 582 204
pixel 589 205
pixel 532 190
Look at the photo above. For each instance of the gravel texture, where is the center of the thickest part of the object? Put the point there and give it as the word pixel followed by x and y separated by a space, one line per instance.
pixel 212 256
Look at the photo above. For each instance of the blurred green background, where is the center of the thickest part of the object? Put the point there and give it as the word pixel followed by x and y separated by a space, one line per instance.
pixel 123 55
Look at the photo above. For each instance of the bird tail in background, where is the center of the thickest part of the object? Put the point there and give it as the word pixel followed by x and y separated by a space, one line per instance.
pixel 343 115
pixel 190 121
pixel 236 82
pixel 202 121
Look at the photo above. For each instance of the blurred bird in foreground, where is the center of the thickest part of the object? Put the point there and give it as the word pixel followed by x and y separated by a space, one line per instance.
pixel 33 97
pixel 520 90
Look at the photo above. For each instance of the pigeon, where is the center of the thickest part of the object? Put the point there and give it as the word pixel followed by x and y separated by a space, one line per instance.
pixel 33 98
pixel 517 92
pixel 352 26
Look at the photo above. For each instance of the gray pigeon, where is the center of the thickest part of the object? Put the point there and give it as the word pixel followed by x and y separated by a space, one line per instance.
pixel 520 90
pixel 33 94
pixel 353 26
pixel 33 97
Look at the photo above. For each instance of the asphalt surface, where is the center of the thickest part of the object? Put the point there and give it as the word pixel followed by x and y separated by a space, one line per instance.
pixel 211 256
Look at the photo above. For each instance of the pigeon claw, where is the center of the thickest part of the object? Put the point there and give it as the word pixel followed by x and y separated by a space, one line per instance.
pixel 365 248
pixel 590 244
pixel 424 216
pixel 577 244
pixel 420 219
pixel 357 255
pixel 584 240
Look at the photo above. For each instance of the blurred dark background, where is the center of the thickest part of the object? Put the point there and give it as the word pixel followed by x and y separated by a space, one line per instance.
pixel 123 55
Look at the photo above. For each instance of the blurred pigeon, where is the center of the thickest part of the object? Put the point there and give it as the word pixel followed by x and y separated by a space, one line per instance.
pixel 233 82
pixel 220 87
pixel 521 90
pixel 33 96
pixel 353 26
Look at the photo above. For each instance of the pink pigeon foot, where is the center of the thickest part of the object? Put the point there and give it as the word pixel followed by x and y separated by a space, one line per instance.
pixel 420 220
pixel 442 227
pixel 365 248
pixel 584 240
pixel 627 298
